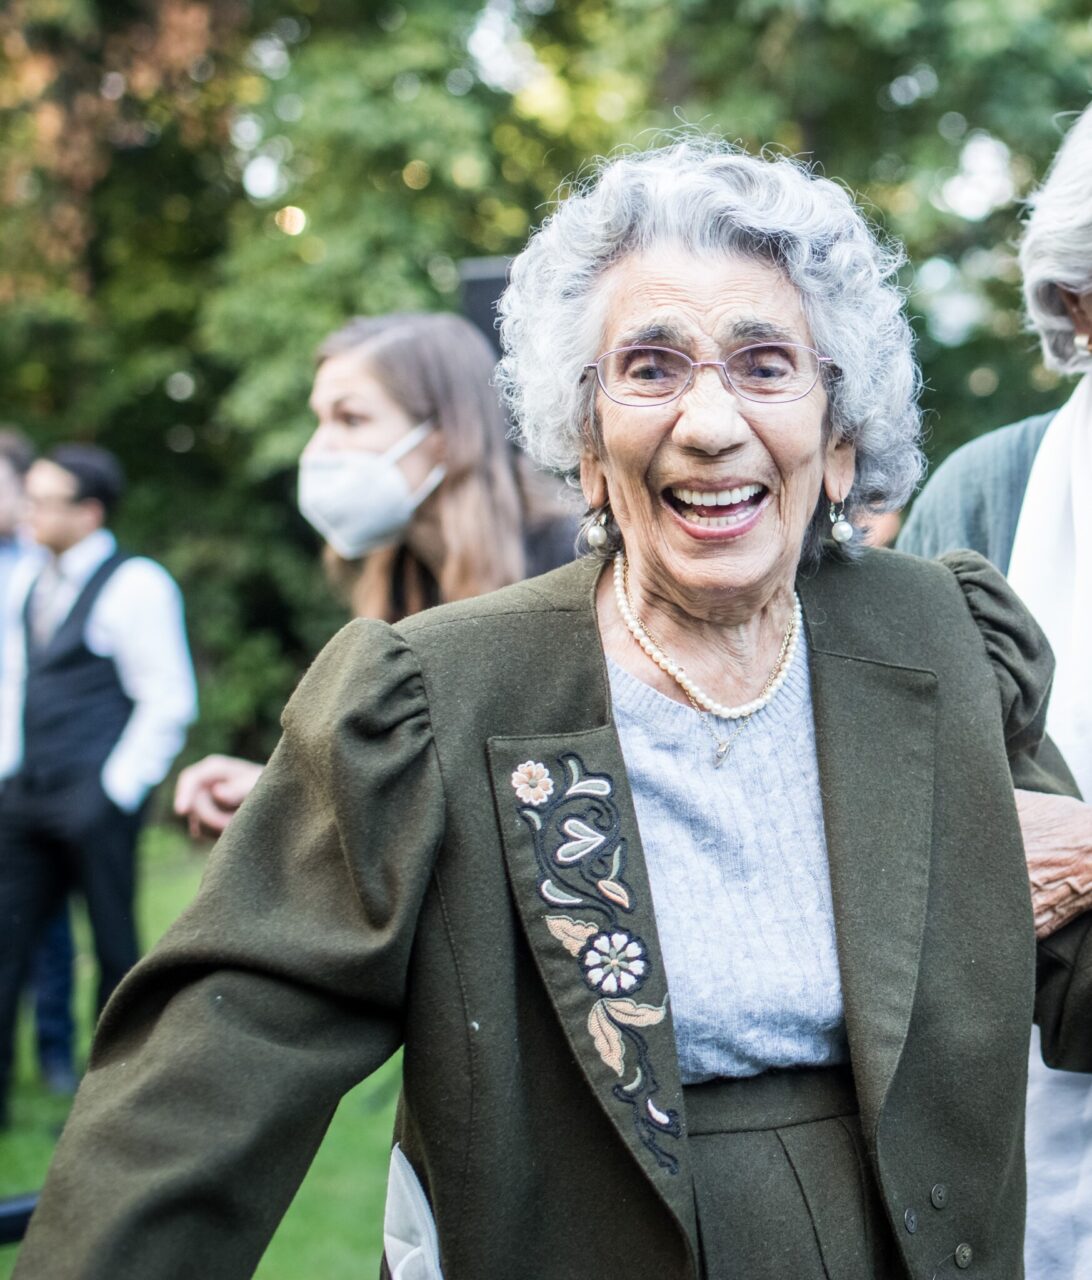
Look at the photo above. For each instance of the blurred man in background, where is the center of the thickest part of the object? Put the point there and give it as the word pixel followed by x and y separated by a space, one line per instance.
pixel 96 691
pixel 52 976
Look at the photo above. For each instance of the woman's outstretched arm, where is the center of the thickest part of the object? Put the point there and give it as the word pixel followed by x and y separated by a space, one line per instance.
pixel 221 1058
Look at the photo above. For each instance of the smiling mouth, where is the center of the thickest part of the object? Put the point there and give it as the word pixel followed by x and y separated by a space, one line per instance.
pixel 716 508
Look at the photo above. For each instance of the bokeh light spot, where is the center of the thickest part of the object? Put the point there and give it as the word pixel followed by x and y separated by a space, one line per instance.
pixel 113 85
pixel 262 178
pixel 982 381
pixel 181 385
pixel 180 438
pixel 417 175
pixel 291 219
pixel 468 170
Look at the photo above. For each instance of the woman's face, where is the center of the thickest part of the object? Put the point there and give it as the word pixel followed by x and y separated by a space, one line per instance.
pixel 659 465
pixel 354 412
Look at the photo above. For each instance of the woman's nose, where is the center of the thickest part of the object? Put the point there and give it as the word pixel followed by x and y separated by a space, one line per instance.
pixel 326 436
pixel 711 416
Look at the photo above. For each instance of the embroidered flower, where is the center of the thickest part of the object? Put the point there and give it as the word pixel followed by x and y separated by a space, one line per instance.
pixel 614 962
pixel 533 783
pixel 579 848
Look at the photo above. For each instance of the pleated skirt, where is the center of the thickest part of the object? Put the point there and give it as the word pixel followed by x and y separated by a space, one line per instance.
pixel 782 1182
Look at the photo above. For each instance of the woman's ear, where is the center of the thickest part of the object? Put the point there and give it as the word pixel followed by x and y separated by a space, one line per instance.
pixel 1079 309
pixel 839 469
pixel 593 480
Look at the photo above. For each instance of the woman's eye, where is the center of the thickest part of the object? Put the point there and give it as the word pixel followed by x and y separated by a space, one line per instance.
pixel 765 363
pixel 651 366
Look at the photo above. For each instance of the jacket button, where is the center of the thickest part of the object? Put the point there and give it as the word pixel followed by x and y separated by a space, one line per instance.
pixel 939 1196
pixel 911 1220
pixel 964 1256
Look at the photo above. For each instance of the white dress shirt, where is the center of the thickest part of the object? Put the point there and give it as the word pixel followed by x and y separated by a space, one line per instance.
pixel 14 551
pixel 137 622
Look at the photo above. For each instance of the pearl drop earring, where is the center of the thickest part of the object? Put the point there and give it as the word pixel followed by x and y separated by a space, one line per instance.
pixel 597 536
pixel 840 528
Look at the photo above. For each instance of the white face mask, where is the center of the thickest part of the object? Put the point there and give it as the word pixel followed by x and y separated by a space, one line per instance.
pixel 359 501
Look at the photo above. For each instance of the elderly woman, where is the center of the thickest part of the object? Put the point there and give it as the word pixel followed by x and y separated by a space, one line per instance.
pixel 735 762
pixel 1019 496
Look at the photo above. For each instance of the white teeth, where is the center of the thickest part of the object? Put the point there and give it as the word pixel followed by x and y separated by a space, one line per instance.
pixel 717 497
pixel 716 522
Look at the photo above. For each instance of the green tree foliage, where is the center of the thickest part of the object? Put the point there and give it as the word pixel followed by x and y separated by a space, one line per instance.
pixel 193 192
pixel 940 115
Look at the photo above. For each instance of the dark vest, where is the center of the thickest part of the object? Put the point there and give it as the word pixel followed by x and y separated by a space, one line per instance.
pixel 74 706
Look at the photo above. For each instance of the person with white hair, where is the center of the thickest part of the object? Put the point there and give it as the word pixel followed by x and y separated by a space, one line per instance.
pixel 1019 495
pixel 688 874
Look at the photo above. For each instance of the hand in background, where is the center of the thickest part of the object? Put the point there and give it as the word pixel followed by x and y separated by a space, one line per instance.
pixel 209 792
pixel 1058 845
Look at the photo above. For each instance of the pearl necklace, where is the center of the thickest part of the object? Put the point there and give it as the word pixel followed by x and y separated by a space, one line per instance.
pixel 695 695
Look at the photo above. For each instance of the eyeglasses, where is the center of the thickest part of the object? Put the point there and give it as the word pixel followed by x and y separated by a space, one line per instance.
pixel 641 377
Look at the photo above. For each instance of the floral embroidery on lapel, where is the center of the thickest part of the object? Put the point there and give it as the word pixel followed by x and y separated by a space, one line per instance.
pixel 532 782
pixel 581 855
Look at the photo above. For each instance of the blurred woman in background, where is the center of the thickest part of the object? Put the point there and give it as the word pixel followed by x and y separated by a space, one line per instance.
pixel 412 482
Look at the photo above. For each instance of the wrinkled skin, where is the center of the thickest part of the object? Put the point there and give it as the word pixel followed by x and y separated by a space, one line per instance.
pixel 1058 845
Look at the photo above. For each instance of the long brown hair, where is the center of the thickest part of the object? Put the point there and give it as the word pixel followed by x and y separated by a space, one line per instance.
pixel 439 367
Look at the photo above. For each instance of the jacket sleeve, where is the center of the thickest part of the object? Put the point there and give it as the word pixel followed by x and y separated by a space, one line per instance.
pixel 222 1056
pixel 1023 664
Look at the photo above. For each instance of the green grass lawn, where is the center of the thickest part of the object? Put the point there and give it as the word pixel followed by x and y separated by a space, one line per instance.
pixel 334 1227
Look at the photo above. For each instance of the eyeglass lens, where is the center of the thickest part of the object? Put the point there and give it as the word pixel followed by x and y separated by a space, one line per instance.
pixel 652 375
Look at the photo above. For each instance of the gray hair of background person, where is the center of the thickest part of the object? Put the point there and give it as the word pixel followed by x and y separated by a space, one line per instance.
pixel 16 450
pixel 711 197
pixel 1056 248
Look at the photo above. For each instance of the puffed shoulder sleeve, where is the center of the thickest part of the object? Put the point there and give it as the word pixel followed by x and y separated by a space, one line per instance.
pixel 222 1056
pixel 1023 664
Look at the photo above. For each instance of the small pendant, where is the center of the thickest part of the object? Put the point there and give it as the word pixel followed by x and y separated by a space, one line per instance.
pixel 721 753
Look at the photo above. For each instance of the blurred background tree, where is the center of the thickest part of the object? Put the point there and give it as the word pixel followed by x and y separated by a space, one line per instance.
pixel 193 192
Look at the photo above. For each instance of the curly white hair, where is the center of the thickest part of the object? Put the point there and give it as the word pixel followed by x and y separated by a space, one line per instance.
pixel 1056 248
pixel 713 197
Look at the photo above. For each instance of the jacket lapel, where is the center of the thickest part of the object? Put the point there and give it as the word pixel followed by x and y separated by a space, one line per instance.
pixel 874 730
pixel 578 876
pixel 578 873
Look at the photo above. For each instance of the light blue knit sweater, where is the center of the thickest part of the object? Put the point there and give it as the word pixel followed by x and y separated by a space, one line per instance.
pixel 737 859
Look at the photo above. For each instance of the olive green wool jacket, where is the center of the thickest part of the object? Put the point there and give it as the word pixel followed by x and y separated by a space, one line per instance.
pixel 443 832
